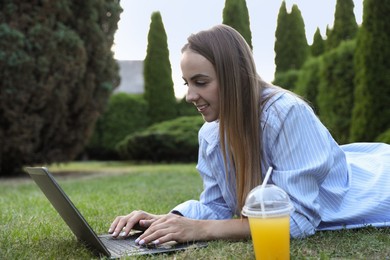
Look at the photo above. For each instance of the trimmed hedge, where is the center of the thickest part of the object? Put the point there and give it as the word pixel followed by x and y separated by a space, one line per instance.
pixel 309 80
pixel 335 94
pixel 169 141
pixel 371 112
pixel 287 80
pixel 125 114
pixel 384 137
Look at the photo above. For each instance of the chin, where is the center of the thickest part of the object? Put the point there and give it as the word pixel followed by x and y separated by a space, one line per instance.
pixel 209 118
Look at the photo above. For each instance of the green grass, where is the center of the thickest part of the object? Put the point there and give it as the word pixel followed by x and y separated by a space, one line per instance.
pixel 31 229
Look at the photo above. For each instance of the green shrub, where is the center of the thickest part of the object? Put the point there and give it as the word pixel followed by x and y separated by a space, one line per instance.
pixel 125 114
pixel 371 112
pixel 335 93
pixel 309 80
pixel 384 137
pixel 287 80
pixel 170 141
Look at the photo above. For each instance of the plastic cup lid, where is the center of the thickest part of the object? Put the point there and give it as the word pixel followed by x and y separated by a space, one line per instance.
pixel 271 201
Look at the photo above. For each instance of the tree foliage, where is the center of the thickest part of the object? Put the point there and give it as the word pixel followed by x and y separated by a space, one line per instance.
pixel 371 112
pixel 236 15
pixel 309 80
pixel 335 93
pixel 291 48
pixel 288 79
pixel 344 27
pixel 125 114
pixel 57 71
pixel 170 141
pixel 159 91
pixel 318 46
pixel 384 137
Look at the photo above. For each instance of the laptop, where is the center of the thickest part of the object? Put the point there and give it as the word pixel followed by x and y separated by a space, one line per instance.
pixel 105 244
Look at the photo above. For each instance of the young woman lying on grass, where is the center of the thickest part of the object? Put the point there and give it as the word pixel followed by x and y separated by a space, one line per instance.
pixel 250 126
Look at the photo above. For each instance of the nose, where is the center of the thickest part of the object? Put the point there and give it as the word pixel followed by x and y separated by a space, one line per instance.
pixel 192 95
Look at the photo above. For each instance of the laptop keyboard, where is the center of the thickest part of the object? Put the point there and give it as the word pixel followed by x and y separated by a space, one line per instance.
pixel 125 246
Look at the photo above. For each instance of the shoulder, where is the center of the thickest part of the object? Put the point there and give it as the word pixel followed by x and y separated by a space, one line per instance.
pixel 285 110
pixel 280 101
pixel 279 104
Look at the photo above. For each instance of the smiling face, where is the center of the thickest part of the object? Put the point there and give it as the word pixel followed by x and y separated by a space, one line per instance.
pixel 201 79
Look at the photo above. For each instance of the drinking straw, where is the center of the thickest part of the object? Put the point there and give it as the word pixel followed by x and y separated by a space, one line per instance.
pixel 267 175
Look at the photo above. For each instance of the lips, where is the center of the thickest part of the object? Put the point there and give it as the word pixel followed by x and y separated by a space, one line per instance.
pixel 201 108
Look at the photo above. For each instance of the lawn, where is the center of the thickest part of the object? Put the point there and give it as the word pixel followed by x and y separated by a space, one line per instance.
pixel 31 229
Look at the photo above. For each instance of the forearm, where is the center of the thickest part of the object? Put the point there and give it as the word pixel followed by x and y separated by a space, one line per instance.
pixel 232 229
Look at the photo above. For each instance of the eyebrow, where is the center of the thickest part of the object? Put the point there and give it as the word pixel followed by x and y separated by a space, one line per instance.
pixel 197 76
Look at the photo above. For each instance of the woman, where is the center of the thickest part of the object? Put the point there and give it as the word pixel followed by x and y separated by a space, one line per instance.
pixel 251 125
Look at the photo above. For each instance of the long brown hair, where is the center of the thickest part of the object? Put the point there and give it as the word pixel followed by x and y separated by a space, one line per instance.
pixel 240 90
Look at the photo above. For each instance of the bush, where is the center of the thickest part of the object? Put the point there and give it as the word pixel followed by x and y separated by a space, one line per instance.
pixel 371 112
pixel 170 141
pixel 384 137
pixel 309 80
pixel 335 93
pixel 125 114
pixel 287 79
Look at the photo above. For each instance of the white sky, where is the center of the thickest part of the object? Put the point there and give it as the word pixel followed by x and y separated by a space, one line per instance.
pixel 183 17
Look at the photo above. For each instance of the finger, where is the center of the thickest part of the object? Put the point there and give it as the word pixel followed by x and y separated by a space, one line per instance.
pixel 154 237
pixel 145 223
pixel 158 229
pixel 164 239
pixel 126 223
pixel 114 224
pixel 119 224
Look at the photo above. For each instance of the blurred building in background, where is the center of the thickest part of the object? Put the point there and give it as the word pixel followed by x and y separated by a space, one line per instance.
pixel 132 76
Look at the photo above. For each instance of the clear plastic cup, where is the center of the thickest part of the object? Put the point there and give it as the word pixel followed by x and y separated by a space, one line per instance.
pixel 268 210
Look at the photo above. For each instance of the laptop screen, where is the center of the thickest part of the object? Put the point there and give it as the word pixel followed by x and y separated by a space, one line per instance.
pixel 66 208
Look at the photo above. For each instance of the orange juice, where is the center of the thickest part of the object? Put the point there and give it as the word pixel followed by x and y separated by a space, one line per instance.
pixel 271 237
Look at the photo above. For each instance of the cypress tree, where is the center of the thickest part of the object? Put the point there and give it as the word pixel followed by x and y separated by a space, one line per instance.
pixel 291 48
pixel 335 99
pixel 318 46
pixel 345 26
pixel 308 82
pixel 298 42
pixel 281 41
pixel 371 111
pixel 235 14
pixel 159 92
pixel 57 72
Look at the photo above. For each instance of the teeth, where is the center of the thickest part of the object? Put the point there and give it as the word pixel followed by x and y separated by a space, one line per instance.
pixel 201 108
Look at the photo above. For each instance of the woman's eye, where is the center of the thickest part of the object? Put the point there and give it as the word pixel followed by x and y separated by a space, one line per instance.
pixel 200 83
pixel 197 83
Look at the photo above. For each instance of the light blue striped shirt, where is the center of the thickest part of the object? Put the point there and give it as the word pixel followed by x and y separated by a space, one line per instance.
pixel 331 186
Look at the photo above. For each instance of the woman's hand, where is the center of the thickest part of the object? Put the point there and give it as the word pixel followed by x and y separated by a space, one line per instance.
pixel 123 224
pixel 170 227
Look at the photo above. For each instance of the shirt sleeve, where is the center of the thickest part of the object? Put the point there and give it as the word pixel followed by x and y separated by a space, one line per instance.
pixel 299 150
